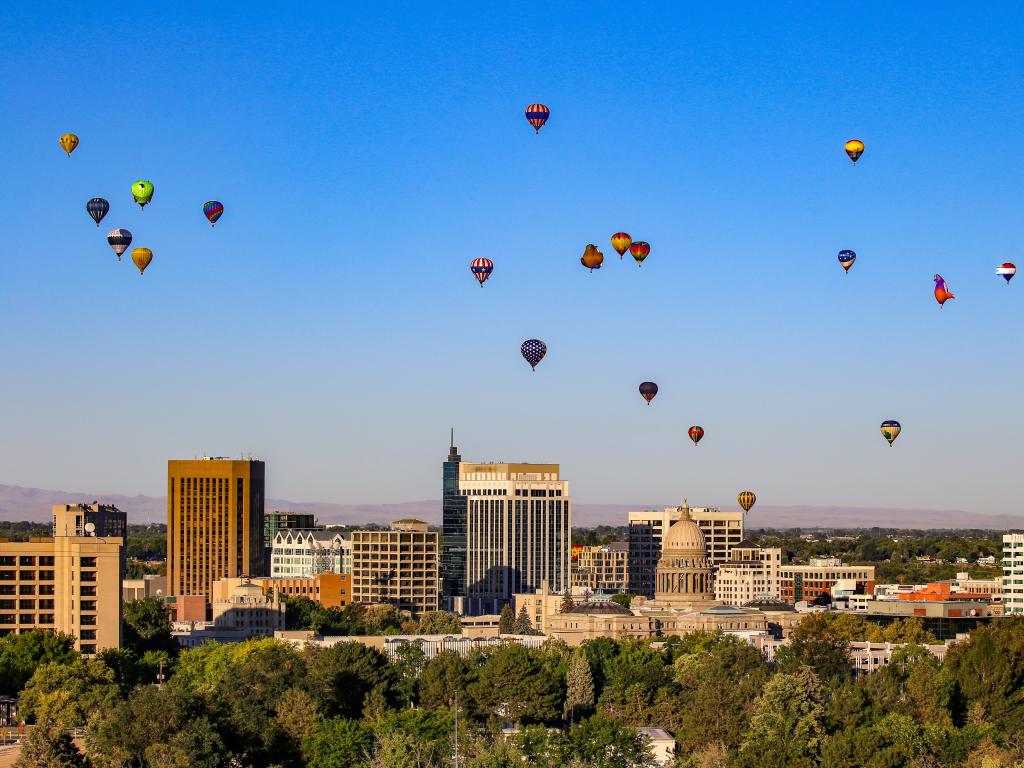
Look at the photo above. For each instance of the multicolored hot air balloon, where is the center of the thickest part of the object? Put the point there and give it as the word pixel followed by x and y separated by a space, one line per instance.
pixel 533 350
pixel 941 291
pixel 481 269
pixel 68 142
pixel 142 257
pixel 537 114
pixel 213 210
pixel 1006 270
pixel 846 259
pixel 119 240
pixel 648 390
pixel 592 258
pixel 97 208
pixel 854 148
pixel 639 249
pixel 695 433
pixel 890 430
pixel 621 242
pixel 142 192
pixel 746 500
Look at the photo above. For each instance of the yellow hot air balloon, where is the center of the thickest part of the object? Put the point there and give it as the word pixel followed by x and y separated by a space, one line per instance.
pixel 621 242
pixel 68 142
pixel 142 257
pixel 854 148
pixel 746 500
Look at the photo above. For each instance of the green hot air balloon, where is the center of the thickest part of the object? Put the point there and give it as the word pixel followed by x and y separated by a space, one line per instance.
pixel 142 191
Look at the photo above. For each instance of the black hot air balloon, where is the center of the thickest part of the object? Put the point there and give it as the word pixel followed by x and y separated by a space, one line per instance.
pixel 648 390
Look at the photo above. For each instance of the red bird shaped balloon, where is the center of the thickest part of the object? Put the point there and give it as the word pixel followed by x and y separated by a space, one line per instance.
pixel 941 291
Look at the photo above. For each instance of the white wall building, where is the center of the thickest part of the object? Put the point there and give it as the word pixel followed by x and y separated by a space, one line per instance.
pixel 749 572
pixel 1013 573
pixel 307 553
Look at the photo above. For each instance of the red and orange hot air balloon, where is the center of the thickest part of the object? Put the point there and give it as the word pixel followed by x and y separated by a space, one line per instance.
pixel 639 249
pixel 537 114
pixel 941 291
pixel 621 242
pixel 696 433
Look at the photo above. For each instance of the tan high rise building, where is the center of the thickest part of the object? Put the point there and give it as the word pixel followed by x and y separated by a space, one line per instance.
pixel 69 584
pixel 214 522
pixel 398 566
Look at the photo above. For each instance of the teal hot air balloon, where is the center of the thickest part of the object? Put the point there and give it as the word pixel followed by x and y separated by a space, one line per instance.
pixel 142 192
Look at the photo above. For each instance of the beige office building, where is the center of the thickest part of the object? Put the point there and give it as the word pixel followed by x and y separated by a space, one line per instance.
pixel 602 568
pixel 214 522
pixel 722 531
pixel 750 572
pixel 518 526
pixel 68 584
pixel 398 566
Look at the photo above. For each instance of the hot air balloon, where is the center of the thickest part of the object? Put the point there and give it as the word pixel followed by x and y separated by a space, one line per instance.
pixel 119 240
pixel 142 191
pixel 481 269
pixel 746 500
pixel 1007 271
pixel 592 258
pixel 621 242
pixel 890 430
pixel 854 148
pixel 648 390
pixel 537 114
pixel 695 433
pixel 97 208
pixel 213 210
pixel 846 259
pixel 941 291
pixel 68 142
pixel 533 350
pixel 639 249
pixel 142 257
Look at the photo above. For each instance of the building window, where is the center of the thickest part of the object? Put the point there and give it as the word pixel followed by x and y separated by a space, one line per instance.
pixel 46 618
pixel 88 649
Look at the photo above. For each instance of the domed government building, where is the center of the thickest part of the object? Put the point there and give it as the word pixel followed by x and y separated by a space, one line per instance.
pixel 683 601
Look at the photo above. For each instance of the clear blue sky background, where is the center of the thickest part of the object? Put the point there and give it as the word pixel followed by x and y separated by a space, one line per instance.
pixel 367 152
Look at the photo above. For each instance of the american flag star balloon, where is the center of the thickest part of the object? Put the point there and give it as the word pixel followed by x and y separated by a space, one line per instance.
pixel 481 269
pixel 846 259
pixel 533 350
pixel 537 114
pixel 1006 271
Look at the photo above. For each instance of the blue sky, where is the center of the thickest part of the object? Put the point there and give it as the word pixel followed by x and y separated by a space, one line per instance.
pixel 365 155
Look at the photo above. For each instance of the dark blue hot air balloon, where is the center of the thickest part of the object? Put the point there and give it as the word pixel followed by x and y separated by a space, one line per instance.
pixel 534 350
pixel 648 390
pixel 846 259
pixel 97 208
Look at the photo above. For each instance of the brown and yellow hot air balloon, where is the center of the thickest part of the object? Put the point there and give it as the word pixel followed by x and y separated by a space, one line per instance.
pixel 142 257
pixel 592 257
pixel 68 142
pixel 746 500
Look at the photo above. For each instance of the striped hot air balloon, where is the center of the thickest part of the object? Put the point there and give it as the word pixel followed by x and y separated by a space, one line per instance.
pixel 1006 270
pixel 746 500
pixel 846 259
pixel 533 350
pixel 648 390
pixel 890 430
pixel 621 242
pixel 695 433
pixel 97 208
pixel 639 249
pixel 537 114
pixel 213 210
pixel 119 240
pixel 854 149
pixel 481 269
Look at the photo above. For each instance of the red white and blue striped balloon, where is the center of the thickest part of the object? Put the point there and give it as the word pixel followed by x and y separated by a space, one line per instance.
pixel 1006 271
pixel 481 269
pixel 537 114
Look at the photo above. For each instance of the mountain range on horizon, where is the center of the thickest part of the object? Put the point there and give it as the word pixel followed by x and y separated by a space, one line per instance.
pixel 21 503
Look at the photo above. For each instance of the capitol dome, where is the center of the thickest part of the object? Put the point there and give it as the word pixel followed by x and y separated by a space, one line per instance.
pixel 684 535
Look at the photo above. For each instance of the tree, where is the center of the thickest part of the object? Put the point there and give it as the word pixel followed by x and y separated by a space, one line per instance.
pixel 439 623
pixel 507 621
pixel 816 642
pixel 608 743
pixel 338 743
pixel 297 714
pixel 147 627
pixel 580 684
pixel 512 684
pixel 788 723
pixel 49 746
pixel 444 676
pixel 567 603
pixel 342 677
pixel 523 625
pixel 623 598
pixel 21 655
pixel 64 695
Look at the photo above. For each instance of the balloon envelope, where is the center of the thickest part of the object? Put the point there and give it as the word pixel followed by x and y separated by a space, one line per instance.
pixel 537 114
pixel 746 500
pixel 648 390
pixel 854 149
pixel 846 259
pixel 119 240
pixel 533 350
pixel 942 292
pixel 142 257
pixel 142 192
pixel 213 210
pixel 890 430
pixel 97 208
pixel 481 269
pixel 621 242
pixel 1006 270
pixel 68 142
pixel 639 249
pixel 695 433
pixel 592 257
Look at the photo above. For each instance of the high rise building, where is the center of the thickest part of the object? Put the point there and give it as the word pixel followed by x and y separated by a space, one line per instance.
pixel 722 531
pixel 518 524
pixel 1013 573
pixel 453 528
pixel 397 566
pixel 69 584
pixel 214 522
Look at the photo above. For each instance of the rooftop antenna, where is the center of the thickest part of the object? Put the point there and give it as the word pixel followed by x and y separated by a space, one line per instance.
pixel 451 442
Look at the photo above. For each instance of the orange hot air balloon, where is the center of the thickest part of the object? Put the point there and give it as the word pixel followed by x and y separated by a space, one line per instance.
pixel 854 149
pixel 68 142
pixel 142 257
pixel 621 242
pixel 592 258
pixel 746 500
pixel 941 291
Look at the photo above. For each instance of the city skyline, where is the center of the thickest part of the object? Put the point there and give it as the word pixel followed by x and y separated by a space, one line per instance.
pixel 330 318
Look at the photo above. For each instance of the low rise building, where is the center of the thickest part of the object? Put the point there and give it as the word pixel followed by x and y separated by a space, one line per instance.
pixel 149 585
pixel 864 656
pixel 431 645
pixel 943 618
pixel 309 552
pixel 660 743
pixel 603 568
pixel 331 590
pixel 398 566
pixel 806 582
pixel 749 572
pixel 247 612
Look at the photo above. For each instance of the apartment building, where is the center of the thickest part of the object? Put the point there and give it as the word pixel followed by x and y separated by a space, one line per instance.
pixel 309 552
pixel 602 568
pixel 397 566
pixel 750 572
pixel 1013 574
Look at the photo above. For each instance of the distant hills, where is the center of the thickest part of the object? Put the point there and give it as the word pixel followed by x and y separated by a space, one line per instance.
pixel 19 503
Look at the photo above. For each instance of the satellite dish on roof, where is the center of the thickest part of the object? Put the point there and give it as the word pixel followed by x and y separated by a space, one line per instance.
pixel 90 528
